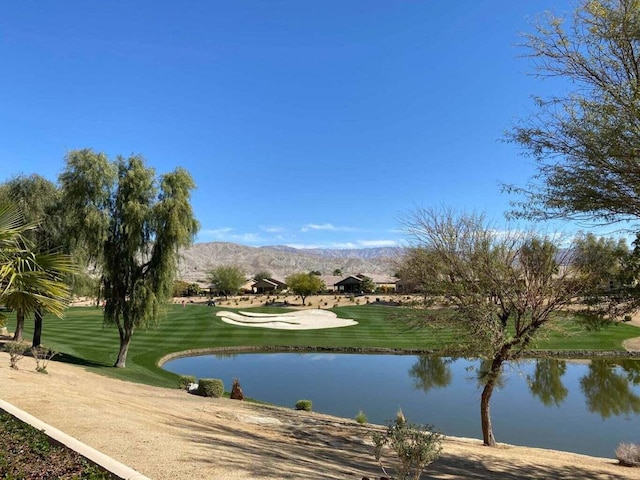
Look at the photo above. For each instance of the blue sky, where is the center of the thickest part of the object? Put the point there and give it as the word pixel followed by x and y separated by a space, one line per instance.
pixel 303 123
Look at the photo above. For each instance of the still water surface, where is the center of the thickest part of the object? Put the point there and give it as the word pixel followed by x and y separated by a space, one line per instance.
pixel 584 407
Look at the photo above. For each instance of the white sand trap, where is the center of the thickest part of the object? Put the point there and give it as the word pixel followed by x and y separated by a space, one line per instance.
pixel 299 320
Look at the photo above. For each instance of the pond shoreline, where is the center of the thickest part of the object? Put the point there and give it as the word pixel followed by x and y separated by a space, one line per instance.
pixel 560 354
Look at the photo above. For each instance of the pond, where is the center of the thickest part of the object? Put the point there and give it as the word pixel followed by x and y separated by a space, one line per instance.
pixel 578 406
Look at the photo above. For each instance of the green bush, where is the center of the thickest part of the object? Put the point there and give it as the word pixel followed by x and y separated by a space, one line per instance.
pixel 185 380
pixel 416 446
pixel 305 405
pixel 361 418
pixel 210 387
pixel 628 454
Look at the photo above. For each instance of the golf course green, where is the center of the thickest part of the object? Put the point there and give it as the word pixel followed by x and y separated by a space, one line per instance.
pixel 81 337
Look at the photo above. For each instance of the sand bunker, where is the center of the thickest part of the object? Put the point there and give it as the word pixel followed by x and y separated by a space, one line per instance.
pixel 300 320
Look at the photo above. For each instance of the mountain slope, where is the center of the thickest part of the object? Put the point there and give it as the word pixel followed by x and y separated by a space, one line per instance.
pixel 281 261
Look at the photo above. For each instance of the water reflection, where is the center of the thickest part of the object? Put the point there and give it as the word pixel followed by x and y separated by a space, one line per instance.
pixel 546 381
pixel 431 372
pixel 607 389
pixel 607 385
pixel 223 355
pixel 632 370
pixel 483 374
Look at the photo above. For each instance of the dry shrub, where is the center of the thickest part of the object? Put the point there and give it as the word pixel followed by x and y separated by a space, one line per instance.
pixel 628 454
pixel 16 351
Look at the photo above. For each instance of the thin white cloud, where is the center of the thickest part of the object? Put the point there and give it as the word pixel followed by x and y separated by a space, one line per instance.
pixel 329 227
pixel 215 232
pixel 304 246
pixel 272 229
pixel 378 243
pixel 226 234
pixel 346 245
pixel 314 226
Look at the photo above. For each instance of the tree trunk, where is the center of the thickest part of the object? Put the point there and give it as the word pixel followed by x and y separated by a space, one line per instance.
pixel 125 339
pixel 485 414
pixel 485 410
pixel 37 329
pixel 303 299
pixel 17 336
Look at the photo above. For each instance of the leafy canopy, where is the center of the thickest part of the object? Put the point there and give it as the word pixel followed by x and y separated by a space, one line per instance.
pixel 227 279
pixel 586 140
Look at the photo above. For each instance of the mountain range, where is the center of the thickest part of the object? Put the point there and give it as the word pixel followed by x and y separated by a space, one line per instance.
pixel 197 260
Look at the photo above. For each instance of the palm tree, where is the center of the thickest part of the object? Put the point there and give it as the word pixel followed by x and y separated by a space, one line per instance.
pixel 30 282
pixel 12 243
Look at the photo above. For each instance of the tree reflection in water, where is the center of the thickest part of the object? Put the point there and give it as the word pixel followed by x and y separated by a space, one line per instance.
pixel 607 386
pixel 632 370
pixel 431 372
pixel 546 381
pixel 608 391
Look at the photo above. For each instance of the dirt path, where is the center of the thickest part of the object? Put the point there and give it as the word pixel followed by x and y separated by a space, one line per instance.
pixel 169 434
pixel 633 344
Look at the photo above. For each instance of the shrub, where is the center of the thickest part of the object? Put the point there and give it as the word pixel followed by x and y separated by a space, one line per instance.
pixel 16 351
pixel 416 446
pixel 210 387
pixel 236 390
pixel 628 454
pixel 43 356
pixel 361 418
pixel 185 380
pixel 305 405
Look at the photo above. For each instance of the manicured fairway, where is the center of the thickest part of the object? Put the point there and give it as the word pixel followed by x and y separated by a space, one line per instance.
pixel 81 337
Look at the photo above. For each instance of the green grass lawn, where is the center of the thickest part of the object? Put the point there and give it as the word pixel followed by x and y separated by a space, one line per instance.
pixel 81 337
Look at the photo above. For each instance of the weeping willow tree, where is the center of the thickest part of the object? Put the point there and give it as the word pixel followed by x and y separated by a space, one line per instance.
pixel 132 225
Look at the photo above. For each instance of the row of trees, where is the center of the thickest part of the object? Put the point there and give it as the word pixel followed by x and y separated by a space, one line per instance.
pixel 115 218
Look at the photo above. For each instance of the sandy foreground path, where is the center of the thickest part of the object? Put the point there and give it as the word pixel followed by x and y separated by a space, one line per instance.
pixel 169 434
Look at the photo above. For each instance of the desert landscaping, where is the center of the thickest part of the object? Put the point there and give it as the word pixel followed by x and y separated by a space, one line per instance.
pixel 168 434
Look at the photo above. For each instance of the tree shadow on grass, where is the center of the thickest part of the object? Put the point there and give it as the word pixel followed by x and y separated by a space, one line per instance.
pixel 74 360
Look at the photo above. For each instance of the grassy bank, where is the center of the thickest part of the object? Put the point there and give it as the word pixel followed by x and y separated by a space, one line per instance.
pixel 82 339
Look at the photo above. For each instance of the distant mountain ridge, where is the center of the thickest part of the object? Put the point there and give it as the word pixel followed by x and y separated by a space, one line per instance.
pixel 282 260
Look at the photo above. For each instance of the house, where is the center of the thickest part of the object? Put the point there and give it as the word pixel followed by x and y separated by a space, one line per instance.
pixel 353 283
pixel 330 281
pixel 268 285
